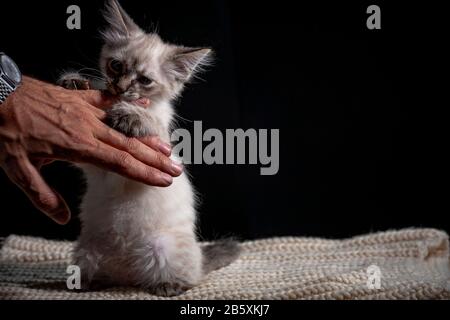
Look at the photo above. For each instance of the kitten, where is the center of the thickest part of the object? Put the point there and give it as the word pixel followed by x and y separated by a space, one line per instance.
pixel 134 234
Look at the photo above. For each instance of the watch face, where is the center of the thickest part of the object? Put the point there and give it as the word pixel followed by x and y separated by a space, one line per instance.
pixel 10 69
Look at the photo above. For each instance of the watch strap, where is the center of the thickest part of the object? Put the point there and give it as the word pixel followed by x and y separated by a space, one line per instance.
pixel 6 87
pixel 5 90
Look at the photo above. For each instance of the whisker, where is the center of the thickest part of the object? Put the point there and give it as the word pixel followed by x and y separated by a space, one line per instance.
pixel 98 73
pixel 182 118
pixel 92 76
pixel 85 68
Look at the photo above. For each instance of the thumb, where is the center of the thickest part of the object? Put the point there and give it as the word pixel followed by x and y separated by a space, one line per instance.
pixel 28 178
pixel 39 163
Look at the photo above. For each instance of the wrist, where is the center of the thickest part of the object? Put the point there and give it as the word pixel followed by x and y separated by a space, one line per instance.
pixel 10 77
pixel 8 102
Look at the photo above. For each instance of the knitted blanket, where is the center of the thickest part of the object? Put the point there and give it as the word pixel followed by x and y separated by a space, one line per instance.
pixel 405 264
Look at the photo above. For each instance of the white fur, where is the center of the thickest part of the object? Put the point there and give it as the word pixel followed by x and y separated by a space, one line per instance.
pixel 136 234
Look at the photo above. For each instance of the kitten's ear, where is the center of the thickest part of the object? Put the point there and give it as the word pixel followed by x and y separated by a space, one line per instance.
pixel 185 62
pixel 121 26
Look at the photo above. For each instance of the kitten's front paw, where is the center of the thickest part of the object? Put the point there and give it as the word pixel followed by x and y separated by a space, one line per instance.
pixel 130 124
pixel 74 81
pixel 167 289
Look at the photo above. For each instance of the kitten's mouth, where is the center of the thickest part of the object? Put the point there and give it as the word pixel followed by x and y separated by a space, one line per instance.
pixel 133 98
pixel 142 102
pixel 139 101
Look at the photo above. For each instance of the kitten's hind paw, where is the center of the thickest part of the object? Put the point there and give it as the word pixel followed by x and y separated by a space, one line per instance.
pixel 74 81
pixel 167 289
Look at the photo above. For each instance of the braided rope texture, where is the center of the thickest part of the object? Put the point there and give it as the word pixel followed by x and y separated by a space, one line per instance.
pixel 413 264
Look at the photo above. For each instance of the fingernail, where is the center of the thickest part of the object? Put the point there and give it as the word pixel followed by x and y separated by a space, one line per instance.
pixel 167 178
pixel 165 148
pixel 177 168
pixel 61 216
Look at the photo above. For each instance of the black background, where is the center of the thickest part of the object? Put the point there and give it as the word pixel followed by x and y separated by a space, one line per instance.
pixel 362 131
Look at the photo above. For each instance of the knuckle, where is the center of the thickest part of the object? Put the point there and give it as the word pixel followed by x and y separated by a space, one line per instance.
pixel 18 175
pixel 124 160
pixel 152 175
pixel 110 133
pixel 92 118
pixel 162 161
pixel 87 145
pixel 132 144
pixel 78 139
pixel 22 180
pixel 80 147
pixel 152 141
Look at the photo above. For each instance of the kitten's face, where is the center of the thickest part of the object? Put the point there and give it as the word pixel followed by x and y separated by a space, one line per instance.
pixel 134 69
pixel 140 66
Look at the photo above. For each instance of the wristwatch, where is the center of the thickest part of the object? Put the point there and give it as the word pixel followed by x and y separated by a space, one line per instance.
pixel 10 77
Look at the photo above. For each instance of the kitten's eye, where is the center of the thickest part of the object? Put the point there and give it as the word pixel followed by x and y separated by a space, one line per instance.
pixel 144 80
pixel 116 66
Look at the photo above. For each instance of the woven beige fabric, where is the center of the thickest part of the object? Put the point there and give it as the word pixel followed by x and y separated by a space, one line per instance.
pixel 413 264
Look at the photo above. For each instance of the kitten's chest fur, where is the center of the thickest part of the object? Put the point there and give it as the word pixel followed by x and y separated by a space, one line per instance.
pixel 116 205
pixel 128 205
pixel 139 234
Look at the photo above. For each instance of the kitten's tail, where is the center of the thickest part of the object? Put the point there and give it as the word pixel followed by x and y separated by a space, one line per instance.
pixel 219 254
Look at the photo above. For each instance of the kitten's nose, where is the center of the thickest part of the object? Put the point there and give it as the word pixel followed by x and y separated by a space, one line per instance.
pixel 122 86
pixel 118 89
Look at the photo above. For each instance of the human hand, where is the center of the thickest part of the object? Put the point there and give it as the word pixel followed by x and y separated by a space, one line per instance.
pixel 41 122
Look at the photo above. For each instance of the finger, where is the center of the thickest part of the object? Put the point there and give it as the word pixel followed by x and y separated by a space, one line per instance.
pixel 123 163
pixel 156 143
pixel 99 99
pixel 153 153
pixel 28 178
pixel 98 113
pixel 45 162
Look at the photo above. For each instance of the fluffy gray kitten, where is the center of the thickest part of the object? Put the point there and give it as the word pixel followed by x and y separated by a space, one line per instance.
pixel 134 234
